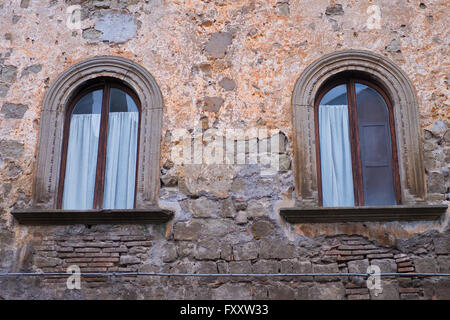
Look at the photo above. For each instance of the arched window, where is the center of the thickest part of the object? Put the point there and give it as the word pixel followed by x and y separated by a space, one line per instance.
pixel 356 146
pixel 100 146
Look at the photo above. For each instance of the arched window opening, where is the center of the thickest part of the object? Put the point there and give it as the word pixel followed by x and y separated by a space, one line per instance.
pixel 100 148
pixel 356 145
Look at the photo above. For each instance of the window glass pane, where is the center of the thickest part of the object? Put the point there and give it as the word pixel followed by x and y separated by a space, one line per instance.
pixel 375 146
pixel 81 163
pixel 335 152
pixel 120 175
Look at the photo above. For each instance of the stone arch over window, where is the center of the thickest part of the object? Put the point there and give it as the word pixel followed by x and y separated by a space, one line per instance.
pixel 406 120
pixel 54 107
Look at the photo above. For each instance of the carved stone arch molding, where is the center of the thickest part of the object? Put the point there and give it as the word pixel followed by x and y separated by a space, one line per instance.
pixel 406 114
pixel 52 122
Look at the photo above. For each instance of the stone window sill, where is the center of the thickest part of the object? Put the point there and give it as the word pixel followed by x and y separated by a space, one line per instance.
pixel 363 214
pixel 153 215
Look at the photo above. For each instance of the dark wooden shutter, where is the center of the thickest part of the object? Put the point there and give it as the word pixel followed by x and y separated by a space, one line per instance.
pixel 375 146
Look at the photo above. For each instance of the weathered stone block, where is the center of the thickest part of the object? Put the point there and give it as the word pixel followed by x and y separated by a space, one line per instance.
pixel 358 266
pixel 258 208
pixel 266 266
pixel 225 251
pixel 303 292
pixel 261 229
pixel 215 228
pixel 218 43
pixel 326 268
pixel 3 90
pixel 169 253
pixel 444 264
pixel 334 10
pixel 11 149
pixel 389 291
pixel 228 210
pixel 227 83
pixel 13 110
pixel 425 265
pixel 207 250
pixel 187 230
pixel 245 251
pixel 240 267
pixel 43 262
pixel 125 260
pixel 232 291
pixel 386 265
pixel 212 104
pixel 279 291
pixel 8 73
pixel 35 68
pixel 241 217
pixel 204 208
pixel 436 183
pixel 276 250
pixel 329 291
pixel 442 244
pixel 302 267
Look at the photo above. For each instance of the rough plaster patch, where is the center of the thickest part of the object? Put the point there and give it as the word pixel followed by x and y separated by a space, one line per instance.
pixel 116 27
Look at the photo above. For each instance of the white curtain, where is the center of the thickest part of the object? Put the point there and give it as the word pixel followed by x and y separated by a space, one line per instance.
pixel 81 163
pixel 120 175
pixel 335 156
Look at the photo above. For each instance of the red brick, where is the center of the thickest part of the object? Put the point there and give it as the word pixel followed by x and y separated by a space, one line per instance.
pixel 101 254
pixel 72 244
pixel 101 264
pixel 138 243
pixel 408 290
pixel 135 238
pixel 338 252
pixel 402 259
pixel 105 259
pixel 70 255
pixel 404 264
pixel 349 258
pixel 369 251
pixel 102 245
pixel 358 297
pixel 345 247
pixel 380 256
pixel 87 250
pixel 355 242
pixel 407 269
pixel 78 260
pixel 115 250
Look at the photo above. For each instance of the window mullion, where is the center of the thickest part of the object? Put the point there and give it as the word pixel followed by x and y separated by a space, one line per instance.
pixel 102 148
pixel 355 146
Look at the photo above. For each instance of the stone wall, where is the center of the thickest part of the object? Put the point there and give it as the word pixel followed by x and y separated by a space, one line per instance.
pixel 220 64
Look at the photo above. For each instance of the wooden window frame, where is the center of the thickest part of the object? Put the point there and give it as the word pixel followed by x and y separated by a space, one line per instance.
pixel 358 186
pixel 105 84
